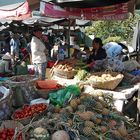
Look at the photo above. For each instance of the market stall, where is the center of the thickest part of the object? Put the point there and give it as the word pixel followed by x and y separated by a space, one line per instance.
pixel 74 103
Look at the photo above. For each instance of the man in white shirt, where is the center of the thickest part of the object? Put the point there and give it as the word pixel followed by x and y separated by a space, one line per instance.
pixel 39 55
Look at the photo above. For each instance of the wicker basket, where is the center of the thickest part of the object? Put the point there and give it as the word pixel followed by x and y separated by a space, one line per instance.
pixel 111 84
pixel 27 120
pixel 13 124
pixel 44 93
pixel 22 79
pixel 64 74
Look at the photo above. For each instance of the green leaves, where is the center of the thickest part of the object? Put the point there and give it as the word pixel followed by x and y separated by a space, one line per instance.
pixel 119 29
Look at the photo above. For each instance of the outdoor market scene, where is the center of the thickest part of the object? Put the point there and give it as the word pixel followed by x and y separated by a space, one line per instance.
pixel 69 70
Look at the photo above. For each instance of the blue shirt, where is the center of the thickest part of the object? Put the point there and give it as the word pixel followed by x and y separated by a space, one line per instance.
pixel 113 49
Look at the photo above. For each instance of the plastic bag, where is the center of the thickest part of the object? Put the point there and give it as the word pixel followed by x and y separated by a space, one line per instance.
pixel 63 96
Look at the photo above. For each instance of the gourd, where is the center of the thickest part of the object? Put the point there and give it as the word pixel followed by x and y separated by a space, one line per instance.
pixel 60 135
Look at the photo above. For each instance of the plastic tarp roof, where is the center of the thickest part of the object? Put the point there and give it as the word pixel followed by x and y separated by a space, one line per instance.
pixel 43 20
pixel 113 12
pixel 14 9
pixel 87 3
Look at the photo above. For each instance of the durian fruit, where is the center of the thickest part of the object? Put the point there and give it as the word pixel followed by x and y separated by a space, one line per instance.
pixel 73 103
pixel 87 131
pixel 122 131
pixel 105 111
pixel 89 124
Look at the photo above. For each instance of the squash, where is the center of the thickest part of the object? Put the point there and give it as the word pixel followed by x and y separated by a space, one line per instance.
pixel 60 135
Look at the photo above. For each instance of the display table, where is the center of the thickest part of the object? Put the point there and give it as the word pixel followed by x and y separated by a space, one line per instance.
pixel 120 94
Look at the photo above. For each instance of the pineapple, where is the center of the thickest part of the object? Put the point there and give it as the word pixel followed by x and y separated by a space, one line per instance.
pixel 78 101
pixel 99 106
pixel 69 109
pixel 85 116
pixel 123 131
pixel 87 131
pixel 105 111
pixel 73 104
pixel 70 122
pixel 89 124
pixel 81 108
pixel 104 129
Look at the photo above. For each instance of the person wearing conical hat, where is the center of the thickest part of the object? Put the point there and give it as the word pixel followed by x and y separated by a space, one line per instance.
pixel 5 63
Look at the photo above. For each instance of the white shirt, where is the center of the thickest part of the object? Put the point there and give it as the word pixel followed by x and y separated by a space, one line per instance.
pixel 38 51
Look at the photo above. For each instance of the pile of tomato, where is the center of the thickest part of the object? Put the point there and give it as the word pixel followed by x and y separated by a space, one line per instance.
pixel 29 111
pixel 8 134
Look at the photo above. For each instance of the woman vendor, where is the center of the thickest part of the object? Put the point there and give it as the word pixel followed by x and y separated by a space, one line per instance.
pixel 98 53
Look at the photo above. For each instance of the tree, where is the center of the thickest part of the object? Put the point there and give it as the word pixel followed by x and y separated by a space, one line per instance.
pixel 114 30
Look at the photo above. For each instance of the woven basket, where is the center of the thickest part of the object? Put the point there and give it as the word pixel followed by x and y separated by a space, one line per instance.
pixel 44 93
pixel 27 120
pixel 111 84
pixel 13 124
pixel 24 79
pixel 64 74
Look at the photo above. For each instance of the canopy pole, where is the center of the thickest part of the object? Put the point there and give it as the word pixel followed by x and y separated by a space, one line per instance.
pixel 68 35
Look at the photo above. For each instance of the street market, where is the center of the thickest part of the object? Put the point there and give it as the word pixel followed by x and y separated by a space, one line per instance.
pixel 59 83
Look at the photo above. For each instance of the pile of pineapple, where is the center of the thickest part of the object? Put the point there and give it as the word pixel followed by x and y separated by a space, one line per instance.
pixel 90 117
pixel 93 118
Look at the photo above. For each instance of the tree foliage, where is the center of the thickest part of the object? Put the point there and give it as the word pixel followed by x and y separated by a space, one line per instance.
pixel 114 29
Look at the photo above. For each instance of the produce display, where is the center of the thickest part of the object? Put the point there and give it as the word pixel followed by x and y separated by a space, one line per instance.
pixel 29 111
pixel 70 64
pixel 8 134
pixel 48 84
pixel 81 74
pixel 88 117
pixel 104 77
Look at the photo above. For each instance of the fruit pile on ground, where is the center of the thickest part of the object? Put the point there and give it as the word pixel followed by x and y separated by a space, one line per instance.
pixel 87 117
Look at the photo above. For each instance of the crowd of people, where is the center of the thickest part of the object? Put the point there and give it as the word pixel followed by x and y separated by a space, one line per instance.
pixel 35 50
